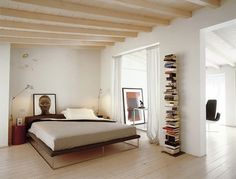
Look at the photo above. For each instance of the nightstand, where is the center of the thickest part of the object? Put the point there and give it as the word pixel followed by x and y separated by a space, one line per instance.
pixel 19 135
pixel 102 116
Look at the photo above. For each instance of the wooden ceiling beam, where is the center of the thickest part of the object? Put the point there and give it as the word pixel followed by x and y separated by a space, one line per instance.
pixel 211 64
pixel 97 11
pixel 71 20
pixel 63 29
pixel 213 50
pixel 45 35
pixel 221 40
pixel 166 10
pixel 57 46
pixel 52 42
pixel 210 3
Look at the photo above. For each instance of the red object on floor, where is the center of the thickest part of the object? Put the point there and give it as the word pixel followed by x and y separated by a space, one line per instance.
pixel 19 134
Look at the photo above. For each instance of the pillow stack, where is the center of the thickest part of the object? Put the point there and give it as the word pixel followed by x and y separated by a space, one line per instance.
pixel 79 113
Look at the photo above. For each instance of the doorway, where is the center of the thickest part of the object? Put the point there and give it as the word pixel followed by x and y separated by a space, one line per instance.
pixel 134 76
pixel 215 89
pixel 218 49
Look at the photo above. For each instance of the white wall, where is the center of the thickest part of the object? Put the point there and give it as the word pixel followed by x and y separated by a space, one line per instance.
pixel 230 92
pixel 4 92
pixel 182 37
pixel 73 75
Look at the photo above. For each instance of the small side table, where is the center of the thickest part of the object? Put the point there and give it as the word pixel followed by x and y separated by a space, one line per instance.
pixel 19 135
pixel 138 109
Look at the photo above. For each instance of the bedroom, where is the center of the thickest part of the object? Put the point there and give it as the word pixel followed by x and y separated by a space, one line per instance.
pixel 171 41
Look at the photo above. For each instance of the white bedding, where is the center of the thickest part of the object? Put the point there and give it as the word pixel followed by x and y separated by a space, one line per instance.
pixel 64 135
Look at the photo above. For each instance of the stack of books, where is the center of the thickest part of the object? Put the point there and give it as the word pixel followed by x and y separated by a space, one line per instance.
pixel 172 119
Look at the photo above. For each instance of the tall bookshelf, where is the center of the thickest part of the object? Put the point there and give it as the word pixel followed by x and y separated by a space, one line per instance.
pixel 172 118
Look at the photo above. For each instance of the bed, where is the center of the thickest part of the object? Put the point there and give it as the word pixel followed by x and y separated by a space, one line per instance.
pixel 53 135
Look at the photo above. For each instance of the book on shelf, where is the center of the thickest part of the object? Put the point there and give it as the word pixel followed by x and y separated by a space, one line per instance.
pixel 172 132
pixel 170 63
pixel 175 136
pixel 170 93
pixel 172 79
pixel 175 112
pixel 171 97
pixel 170 66
pixel 172 115
pixel 172 120
pixel 172 147
pixel 170 56
pixel 171 90
pixel 172 143
pixel 172 138
pixel 171 104
pixel 172 107
pixel 170 59
pixel 170 70
pixel 171 74
pixel 169 84
pixel 173 125
pixel 169 118
pixel 171 151
pixel 168 128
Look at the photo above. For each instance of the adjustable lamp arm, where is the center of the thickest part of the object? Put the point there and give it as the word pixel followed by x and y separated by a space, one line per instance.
pixel 14 97
pixel 27 87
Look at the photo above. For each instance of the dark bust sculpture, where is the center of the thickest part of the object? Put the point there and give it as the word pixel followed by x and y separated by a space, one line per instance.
pixel 44 104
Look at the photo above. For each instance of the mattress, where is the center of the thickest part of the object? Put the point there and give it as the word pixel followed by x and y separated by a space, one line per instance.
pixel 60 135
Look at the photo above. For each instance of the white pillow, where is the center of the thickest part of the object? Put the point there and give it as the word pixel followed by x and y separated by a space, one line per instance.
pixel 65 112
pixel 80 113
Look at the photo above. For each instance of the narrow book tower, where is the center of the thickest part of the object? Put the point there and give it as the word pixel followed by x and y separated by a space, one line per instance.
pixel 172 124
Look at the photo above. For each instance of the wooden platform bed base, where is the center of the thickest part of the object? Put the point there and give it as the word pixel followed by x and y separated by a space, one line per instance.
pixel 62 158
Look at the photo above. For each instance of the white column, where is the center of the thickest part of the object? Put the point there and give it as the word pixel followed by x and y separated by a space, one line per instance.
pixel 4 92
pixel 230 96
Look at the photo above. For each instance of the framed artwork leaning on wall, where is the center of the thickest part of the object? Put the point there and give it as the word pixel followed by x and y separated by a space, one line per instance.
pixel 133 98
pixel 44 104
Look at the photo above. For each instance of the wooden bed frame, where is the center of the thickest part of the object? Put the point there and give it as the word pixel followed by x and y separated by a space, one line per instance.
pixel 49 155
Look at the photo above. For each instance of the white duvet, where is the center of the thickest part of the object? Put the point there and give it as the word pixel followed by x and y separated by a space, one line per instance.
pixel 59 135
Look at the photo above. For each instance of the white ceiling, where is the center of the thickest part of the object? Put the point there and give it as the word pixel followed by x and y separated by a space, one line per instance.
pixel 221 46
pixel 88 23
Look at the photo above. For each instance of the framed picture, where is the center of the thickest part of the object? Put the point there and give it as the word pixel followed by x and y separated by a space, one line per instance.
pixel 133 98
pixel 44 104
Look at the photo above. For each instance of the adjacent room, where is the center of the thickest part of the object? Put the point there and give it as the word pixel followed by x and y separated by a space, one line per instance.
pixel 220 50
pixel 117 88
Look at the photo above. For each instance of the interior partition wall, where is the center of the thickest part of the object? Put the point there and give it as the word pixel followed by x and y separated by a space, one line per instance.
pixel 4 92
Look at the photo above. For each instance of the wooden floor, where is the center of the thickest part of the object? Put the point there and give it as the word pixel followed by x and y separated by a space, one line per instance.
pixel 146 162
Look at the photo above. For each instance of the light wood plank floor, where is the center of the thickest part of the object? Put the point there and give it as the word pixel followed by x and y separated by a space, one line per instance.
pixel 146 162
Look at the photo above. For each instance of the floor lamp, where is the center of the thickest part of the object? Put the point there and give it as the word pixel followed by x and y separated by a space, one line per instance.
pixel 11 116
pixel 99 97
pixel 19 93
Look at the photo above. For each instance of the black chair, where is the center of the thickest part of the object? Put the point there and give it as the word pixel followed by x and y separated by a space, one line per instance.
pixel 211 110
